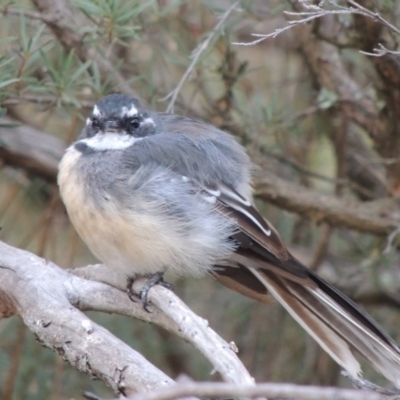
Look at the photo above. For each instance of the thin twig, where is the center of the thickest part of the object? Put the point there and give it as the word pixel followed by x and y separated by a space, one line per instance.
pixel 318 12
pixel 196 56
pixel 392 236
pixel 375 16
pixel 380 51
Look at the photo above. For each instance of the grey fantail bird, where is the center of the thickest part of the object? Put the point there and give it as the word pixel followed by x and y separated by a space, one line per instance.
pixel 152 192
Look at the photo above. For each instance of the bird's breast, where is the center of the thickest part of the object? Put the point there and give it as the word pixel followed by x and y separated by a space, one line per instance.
pixel 110 234
pixel 129 240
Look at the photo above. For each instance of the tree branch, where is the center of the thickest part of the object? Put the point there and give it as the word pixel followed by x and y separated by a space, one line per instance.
pixel 42 294
pixel 371 217
pixel 31 149
pixel 270 390
pixel 187 325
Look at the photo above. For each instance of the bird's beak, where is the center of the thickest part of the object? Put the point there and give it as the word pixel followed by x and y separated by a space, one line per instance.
pixel 112 127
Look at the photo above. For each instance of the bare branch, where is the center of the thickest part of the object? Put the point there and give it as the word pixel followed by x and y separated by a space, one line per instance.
pixel 42 294
pixel 345 213
pixel 380 51
pixel 317 11
pixel 31 149
pixel 376 16
pixel 270 390
pixel 182 321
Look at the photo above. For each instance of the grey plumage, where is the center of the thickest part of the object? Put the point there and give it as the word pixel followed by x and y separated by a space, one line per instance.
pixel 155 220
pixel 152 192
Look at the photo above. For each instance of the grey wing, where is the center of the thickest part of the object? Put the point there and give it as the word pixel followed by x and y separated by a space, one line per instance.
pixel 196 150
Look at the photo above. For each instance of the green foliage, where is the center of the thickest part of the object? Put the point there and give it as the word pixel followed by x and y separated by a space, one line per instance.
pixel 113 19
pixel 67 76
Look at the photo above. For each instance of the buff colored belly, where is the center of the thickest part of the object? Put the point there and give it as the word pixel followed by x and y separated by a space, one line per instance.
pixel 137 243
pixel 132 243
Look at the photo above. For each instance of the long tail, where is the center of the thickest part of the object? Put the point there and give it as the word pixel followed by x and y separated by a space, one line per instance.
pixel 262 266
pixel 328 315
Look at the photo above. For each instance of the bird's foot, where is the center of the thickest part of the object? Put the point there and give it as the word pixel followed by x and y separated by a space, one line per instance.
pixel 129 291
pixel 155 279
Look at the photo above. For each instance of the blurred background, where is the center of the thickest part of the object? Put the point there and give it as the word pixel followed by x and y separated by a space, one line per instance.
pixel 318 118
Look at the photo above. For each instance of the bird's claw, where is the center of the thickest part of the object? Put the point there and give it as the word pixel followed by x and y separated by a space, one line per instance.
pixel 155 279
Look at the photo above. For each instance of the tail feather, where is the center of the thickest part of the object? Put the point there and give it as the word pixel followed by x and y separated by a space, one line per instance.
pixel 326 337
pixel 382 356
pixel 331 318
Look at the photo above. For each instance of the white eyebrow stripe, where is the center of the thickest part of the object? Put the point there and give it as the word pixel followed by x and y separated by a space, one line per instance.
pixel 88 121
pixel 131 112
pixel 96 111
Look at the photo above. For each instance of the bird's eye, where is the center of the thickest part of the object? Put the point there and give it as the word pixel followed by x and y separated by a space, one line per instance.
pixel 134 123
pixel 95 122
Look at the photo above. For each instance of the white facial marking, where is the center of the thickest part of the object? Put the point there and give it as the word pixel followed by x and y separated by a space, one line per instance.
pixel 110 141
pixel 88 121
pixel 131 112
pixel 185 179
pixel 96 111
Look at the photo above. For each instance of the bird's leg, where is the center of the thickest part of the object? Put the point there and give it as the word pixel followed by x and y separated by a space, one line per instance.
pixel 155 279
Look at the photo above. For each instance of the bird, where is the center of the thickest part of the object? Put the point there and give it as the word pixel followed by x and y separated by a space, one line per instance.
pixel 153 192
